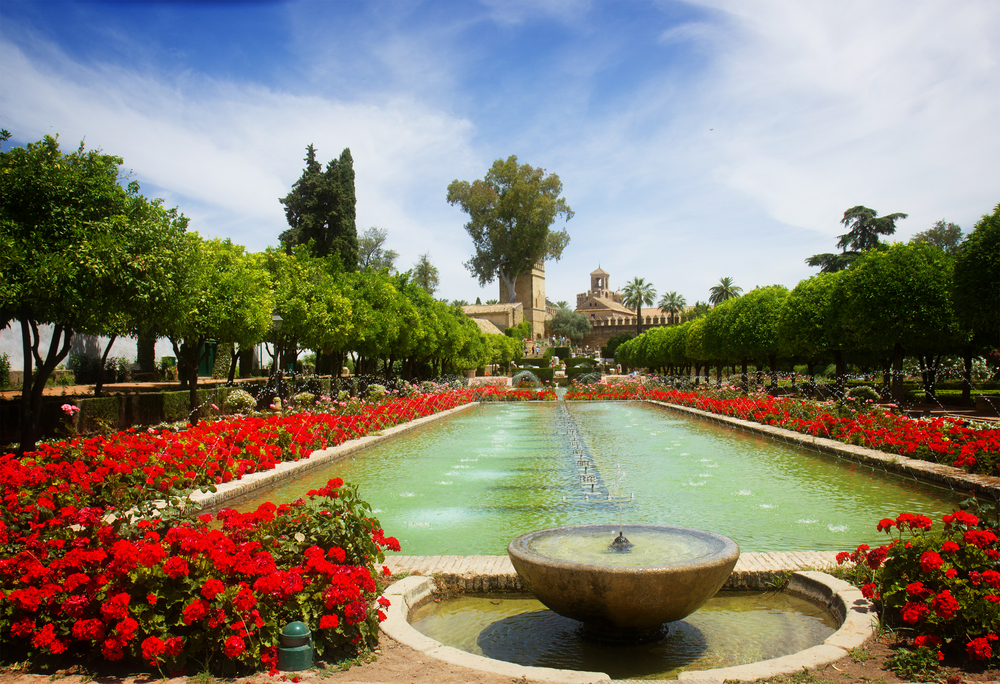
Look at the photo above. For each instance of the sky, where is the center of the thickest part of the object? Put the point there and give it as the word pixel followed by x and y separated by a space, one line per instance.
pixel 694 140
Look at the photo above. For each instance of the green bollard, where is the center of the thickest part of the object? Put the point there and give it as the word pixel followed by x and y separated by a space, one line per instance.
pixel 296 650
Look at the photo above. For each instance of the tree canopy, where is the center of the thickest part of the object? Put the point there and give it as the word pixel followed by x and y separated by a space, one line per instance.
pixel 636 293
pixel 864 228
pixel 567 323
pixel 511 211
pixel 943 235
pixel 725 290
pixel 320 209
pixel 372 252
pixel 425 274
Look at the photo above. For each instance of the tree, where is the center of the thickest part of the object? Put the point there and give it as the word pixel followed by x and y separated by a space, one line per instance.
pixel 636 293
pixel 372 254
pixel 945 236
pixel 673 304
pixel 568 323
pixel 425 274
pixel 320 210
pixel 510 214
pixel 865 226
pixel 699 310
pixel 752 332
pixel 71 255
pixel 723 291
pixel 806 323
pixel 223 294
pixel 975 293
pixel 898 301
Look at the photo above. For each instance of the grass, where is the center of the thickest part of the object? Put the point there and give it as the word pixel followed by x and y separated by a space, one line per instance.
pixel 860 654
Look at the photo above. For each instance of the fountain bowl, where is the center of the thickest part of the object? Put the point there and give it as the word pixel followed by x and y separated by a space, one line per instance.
pixel 623 597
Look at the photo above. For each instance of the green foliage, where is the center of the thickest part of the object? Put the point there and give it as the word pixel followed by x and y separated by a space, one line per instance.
pixel 425 274
pixel 510 213
pixel 608 351
pixel 372 253
pixel 977 271
pixel 724 291
pixel 568 323
pixel 636 293
pixel 4 371
pixel 320 210
pixel 240 401
pixel 914 665
pixel 943 235
pixel 522 331
pixel 865 227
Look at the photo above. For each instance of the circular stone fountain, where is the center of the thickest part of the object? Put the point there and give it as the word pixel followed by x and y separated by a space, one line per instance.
pixel 623 593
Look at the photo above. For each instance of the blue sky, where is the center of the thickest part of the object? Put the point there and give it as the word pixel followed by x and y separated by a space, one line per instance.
pixel 694 140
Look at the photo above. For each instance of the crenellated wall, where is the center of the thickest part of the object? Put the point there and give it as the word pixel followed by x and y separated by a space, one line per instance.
pixel 603 330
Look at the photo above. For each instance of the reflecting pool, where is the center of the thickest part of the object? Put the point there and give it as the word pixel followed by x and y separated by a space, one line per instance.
pixel 470 483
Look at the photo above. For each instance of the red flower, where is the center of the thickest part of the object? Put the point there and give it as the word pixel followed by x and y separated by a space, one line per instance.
pixel 194 611
pixel 245 600
pixel 945 605
pixel 234 646
pixel 152 648
pixel 980 538
pixel 869 591
pixel 949 547
pixel 92 630
pixel 886 524
pixel 151 599
pixel 928 640
pixel 914 612
pixel 116 607
pixel 930 561
pixel 991 577
pixel 979 649
pixel 918 590
pixel 355 612
pixel 211 588
pixel 329 622
pixel 176 567
pixel 876 557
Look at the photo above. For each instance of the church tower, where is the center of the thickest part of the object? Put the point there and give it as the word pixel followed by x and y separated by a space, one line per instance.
pixel 529 290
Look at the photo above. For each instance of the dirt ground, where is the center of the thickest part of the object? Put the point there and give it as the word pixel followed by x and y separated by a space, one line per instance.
pixel 398 664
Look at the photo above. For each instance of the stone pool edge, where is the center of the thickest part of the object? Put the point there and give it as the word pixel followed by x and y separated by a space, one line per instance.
pixel 856 614
pixel 933 473
pixel 286 469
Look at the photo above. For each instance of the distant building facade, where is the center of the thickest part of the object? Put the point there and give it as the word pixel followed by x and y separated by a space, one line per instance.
pixel 529 290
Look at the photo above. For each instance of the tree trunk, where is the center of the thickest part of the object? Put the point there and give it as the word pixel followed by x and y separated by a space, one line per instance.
pixel 772 360
pixel 718 374
pixel 234 359
pixel 840 371
pixel 100 370
pixel 967 375
pixel 33 384
pixel 743 375
pixel 897 389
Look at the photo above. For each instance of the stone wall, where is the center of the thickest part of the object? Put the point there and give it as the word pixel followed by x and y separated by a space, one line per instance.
pixel 603 330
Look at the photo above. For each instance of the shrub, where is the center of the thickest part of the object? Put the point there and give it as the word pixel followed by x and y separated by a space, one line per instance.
pixel 376 391
pixel 942 591
pixel 240 401
pixel 4 371
pixel 304 399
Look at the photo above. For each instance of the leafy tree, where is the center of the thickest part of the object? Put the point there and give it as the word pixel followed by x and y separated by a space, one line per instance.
pixel 753 328
pixel 320 209
pixel 807 322
pixel 725 290
pixel 673 304
pixel 510 214
pixel 636 293
pixel 74 253
pixel 945 236
pixel 375 307
pixel 568 323
pixel 372 253
pixel 315 313
pixel 864 228
pixel 898 300
pixel 223 294
pixel 697 311
pixel 492 301
pixel 425 274
pixel 974 290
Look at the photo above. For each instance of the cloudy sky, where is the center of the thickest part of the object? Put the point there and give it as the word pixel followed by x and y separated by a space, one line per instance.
pixel 694 140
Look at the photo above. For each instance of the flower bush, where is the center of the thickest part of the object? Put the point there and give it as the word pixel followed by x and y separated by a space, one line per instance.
pixel 240 401
pixel 92 567
pixel 178 593
pixel 941 440
pixel 942 590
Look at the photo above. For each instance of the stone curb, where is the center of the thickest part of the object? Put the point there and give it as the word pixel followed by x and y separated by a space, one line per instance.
pixel 933 473
pixel 856 615
pixel 318 458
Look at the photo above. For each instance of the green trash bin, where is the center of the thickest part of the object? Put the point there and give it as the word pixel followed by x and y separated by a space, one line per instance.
pixel 296 650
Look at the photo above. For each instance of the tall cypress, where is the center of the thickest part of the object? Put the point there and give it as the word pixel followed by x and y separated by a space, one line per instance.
pixel 321 208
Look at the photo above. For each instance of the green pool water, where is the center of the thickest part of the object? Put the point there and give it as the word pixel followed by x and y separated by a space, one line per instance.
pixel 470 483
pixel 732 628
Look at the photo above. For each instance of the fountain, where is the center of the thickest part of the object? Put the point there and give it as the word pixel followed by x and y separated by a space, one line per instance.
pixel 623 591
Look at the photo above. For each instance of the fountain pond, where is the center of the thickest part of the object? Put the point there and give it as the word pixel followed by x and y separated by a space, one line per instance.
pixel 470 483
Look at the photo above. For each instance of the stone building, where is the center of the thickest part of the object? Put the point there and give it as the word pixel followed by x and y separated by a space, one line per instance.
pixel 498 317
pixel 529 290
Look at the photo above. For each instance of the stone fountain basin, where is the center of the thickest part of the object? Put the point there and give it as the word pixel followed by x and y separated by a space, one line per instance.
pixel 568 570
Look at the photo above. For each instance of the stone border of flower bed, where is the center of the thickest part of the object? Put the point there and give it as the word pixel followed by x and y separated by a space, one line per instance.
pixel 856 615
pixel 320 457
pixel 934 473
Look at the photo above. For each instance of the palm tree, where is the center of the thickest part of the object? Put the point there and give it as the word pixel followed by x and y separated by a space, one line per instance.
pixel 723 291
pixel 636 293
pixel 672 303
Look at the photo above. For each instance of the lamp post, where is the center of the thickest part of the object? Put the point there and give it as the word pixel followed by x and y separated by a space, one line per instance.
pixel 276 322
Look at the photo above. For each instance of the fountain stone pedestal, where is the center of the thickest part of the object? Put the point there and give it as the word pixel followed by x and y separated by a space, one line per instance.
pixel 623 596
